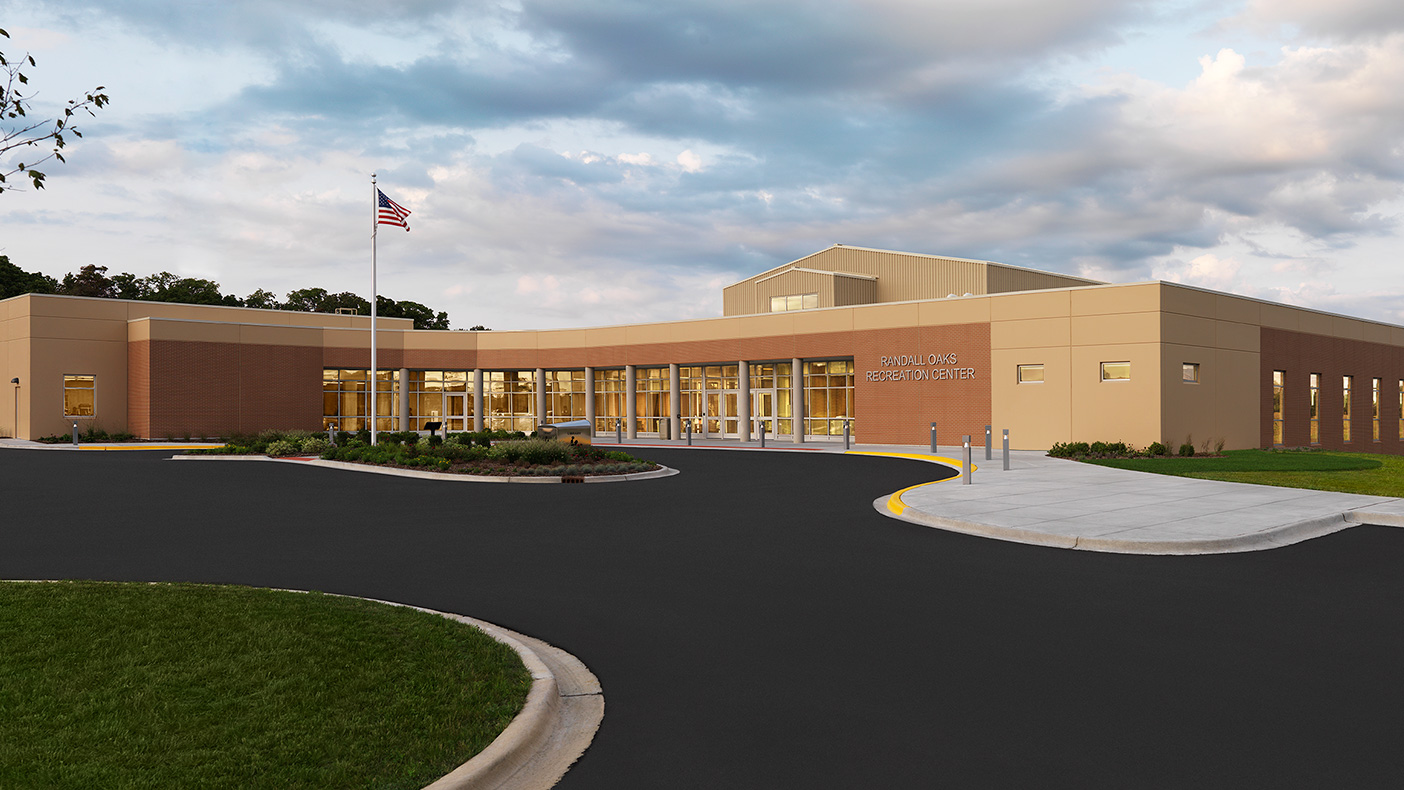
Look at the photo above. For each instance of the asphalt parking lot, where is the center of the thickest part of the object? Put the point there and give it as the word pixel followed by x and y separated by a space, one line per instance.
pixel 756 624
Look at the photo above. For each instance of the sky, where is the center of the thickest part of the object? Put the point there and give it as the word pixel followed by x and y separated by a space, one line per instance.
pixel 593 162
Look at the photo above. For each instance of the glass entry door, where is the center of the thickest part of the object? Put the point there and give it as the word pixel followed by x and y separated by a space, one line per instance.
pixel 456 414
pixel 723 414
pixel 763 412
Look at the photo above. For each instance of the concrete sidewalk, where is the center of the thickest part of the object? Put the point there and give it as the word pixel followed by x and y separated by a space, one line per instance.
pixel 1055 502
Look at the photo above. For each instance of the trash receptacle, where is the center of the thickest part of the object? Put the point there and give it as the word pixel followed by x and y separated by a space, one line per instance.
pixel 573 432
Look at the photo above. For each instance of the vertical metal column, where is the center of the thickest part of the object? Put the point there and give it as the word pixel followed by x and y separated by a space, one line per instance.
pixel 1006 449
pixel 965 460
pixel 689 433
pixel 933 438
pixel 797 398
pixel 590 399
pixel 846 427
pixel 743 397
pixel 478 412
pixel 540 397
pixel 631 408
pixel 762 434
pixel 989 442
pixel 675 400
pixel 404 399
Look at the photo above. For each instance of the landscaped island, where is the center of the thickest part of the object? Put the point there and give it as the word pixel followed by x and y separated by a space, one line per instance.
pixel 182 685
pixel 490 453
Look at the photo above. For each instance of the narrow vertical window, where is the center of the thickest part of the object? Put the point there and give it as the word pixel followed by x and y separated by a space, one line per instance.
pixel 1316 406
pixel 1374 410
pixel 1345 410
pixel 1278 382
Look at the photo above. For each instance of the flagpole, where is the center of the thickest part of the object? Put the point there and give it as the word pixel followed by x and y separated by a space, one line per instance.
pixel 374 382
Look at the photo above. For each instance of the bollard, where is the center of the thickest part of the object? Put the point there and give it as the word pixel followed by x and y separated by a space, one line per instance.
pixel 933 438
pixel 331 436
pixel 689 433
pixel 846 425
pixel 989 435
pixel 965 460
pixel 762 434
pixel 618 431
pixel 75 433
pixel 1006 449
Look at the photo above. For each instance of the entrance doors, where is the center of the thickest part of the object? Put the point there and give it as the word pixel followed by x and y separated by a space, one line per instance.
pixel 723 414
pixel 763 411
pixel 455 413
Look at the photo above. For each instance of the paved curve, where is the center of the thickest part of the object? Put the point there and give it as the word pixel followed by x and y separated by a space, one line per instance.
pixel 756 624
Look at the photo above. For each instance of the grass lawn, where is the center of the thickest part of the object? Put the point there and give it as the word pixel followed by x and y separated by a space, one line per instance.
pixel 174 685
pixel 1354 473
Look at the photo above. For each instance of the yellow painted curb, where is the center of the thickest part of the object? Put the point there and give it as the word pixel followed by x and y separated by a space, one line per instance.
pixel 156 447
pixel 894 502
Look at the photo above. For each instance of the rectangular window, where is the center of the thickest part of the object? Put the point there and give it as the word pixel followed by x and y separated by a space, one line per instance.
pixel 79 395
pixel 609 399
pixel 1316 406
pixel 781 304
pixel 1345 411
pixel 828 397
pixel 509 400
pixel 1030 374
pixel 346 399
pixel 440 396
pixel 1278 384
pixel 1116 371
pixel 1189 372
pixel 650 399
pixel 565 395
pixel 1375 410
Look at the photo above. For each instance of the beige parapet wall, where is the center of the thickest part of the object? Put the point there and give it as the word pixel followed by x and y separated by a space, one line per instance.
pixel 186 368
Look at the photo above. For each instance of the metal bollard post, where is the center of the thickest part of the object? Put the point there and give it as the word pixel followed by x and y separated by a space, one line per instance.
pixel 846 427
pixel 1006 449
pixel 618 431
pixel 933 438
pixel 965 461
pixel 75 433
pixel 989 434
pixel 331 436
pixel 762 434
pixel 689 433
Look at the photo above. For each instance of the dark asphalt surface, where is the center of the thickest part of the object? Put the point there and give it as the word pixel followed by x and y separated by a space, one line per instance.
pixel 756 624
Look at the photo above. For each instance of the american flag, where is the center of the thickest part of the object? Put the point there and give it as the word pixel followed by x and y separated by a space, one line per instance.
pixel 391 213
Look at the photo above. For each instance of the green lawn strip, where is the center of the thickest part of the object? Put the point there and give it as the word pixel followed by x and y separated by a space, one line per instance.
pixel 175 685
pixel 1353 473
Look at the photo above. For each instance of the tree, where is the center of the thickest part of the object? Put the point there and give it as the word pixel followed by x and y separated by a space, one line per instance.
pixel 424 317
pixel 91 280
pixel 263 300
pixel 24 133
pixel 15 281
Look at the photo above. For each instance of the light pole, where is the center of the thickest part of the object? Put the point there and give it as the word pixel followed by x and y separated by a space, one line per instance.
pixel 15 381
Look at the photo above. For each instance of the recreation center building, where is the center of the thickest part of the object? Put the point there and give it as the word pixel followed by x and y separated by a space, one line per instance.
pixel 883 342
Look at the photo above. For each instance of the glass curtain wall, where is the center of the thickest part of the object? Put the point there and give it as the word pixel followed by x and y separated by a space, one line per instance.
pixel 709 398
pixel 509 398
pixel 775 409
pixel 346 399
pixel 609 399
pixel 828 396
pixel 565 395
pixel 650 399
pixel 438 396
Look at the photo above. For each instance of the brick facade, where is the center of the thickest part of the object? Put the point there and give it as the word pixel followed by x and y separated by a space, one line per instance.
pixel 1299 355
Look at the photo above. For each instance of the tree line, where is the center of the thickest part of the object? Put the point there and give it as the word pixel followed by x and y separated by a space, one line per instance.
pixel 92 280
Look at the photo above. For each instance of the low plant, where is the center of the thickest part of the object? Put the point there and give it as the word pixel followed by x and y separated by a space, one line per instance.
pixel 1186 450
pixel 280 448
pixel 1156 449
pixel 315 445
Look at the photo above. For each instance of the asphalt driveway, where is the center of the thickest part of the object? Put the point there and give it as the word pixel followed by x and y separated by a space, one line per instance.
pixel 755 623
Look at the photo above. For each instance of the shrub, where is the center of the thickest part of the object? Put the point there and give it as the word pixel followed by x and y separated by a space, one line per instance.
pixel 1186 450
pixel 1219 447
pixel 1156 448
pixel 315 445
pixel 281 447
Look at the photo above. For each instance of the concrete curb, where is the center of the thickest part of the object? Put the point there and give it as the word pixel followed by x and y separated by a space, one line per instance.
pixel 1272 538
pixel 563 710
pixel 390 470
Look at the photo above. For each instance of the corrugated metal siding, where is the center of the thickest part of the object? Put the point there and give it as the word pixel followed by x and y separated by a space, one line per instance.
pixel 1003 279
pixel 851 290
pixel 792 283
pixel 901 277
